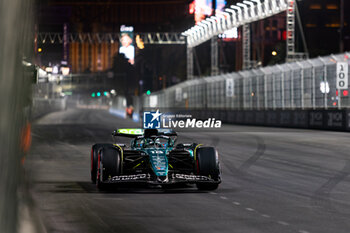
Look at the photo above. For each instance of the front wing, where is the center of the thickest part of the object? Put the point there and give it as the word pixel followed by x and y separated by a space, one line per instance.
pixel 171 179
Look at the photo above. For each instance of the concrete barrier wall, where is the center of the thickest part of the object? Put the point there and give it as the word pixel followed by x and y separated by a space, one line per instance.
pixel 42 106
pixel 338 120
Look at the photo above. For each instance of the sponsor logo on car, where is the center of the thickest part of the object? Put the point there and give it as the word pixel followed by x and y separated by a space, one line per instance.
pixel 129 177
pixel 131 131
pixel 191 177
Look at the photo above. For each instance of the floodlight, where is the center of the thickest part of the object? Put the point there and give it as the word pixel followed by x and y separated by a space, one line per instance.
pixel 252 13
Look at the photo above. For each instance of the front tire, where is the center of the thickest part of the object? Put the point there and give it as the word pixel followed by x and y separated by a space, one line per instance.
pixel 94 157
pixel 109 165
pixel 208 165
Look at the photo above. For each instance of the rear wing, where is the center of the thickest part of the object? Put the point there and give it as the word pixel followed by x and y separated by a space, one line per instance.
pixel 130 133
pixel 134 133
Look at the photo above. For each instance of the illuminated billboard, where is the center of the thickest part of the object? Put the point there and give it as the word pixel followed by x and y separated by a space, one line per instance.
pixel 204 8
pixel 229 35
pixel 126 43
pixel 220 5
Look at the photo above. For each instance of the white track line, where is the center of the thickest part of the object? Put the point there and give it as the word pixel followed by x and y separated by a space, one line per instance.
pixel 250 209
pixel 283 223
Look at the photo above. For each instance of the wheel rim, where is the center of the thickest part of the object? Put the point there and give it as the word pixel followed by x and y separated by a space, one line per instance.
pixel 99 172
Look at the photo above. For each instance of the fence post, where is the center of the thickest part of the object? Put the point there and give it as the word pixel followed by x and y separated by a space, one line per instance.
pixel 339 91
pixel 273 91
pixel 251 91
pixel 243 87
pixel 257 91
pixel 265 92
pixel 291 87
pixel 282 86
pixel 301 85
pixel 226 98
pixel 233 99
pixel 325 82
pixel 189 54
pixel 313 88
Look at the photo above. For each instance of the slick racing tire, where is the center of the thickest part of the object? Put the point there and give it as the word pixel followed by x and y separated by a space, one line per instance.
pixel 109 165
pixel 94 154
pixel 208 165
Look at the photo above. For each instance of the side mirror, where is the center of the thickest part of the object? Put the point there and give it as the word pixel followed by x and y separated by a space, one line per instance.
pixel 114 136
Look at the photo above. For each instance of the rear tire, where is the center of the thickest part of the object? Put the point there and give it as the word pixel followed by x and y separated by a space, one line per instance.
pixel 94 157
pixel 208 165
pixel 109 165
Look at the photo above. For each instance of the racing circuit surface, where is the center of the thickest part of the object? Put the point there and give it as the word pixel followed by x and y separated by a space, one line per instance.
pixel 274 180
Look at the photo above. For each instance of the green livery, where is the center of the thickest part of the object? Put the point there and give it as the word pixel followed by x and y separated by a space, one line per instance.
pixel 153 158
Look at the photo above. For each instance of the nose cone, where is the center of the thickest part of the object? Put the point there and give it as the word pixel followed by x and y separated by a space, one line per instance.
pixel 159 161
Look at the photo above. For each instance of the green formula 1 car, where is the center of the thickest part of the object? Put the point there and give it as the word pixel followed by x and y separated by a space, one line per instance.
pixel 153 158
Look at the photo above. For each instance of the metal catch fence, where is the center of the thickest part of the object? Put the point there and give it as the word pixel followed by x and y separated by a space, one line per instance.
pixel 308 84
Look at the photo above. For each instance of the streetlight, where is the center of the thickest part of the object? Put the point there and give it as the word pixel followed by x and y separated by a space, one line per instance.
pixel 274 5
pixel 201 29
pixel 222 16
pixel 206 28
pixel 258 2
pixel 217 22
pixel 252 13
pixel 228 23
pixel 185 33
pixel 208 23
pixel 245 9
pixel 234 15
pixel 239 10
pixel 192 33
pixel 213 21
pixel 113 92
pixel 267 8
pixel 197 32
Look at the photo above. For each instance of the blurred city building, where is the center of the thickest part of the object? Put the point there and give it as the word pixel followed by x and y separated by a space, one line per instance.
pixel 96 16
pixel 320 20
pixel 322 25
